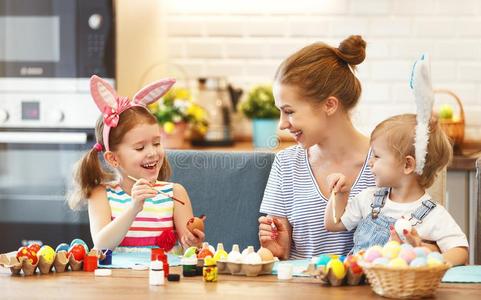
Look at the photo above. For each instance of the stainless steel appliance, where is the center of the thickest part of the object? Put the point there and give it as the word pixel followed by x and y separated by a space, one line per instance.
pixel 56 38
pixel 49 50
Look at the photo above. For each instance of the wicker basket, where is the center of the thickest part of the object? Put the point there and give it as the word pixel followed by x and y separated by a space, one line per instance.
pixel 408 282
pixel 454 129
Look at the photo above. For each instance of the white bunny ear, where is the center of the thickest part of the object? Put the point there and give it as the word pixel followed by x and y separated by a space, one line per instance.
pixel 103 93
pixel 424 97
pixel 154 91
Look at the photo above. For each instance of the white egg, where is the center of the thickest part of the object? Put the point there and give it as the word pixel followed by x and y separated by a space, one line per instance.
pixel 401 225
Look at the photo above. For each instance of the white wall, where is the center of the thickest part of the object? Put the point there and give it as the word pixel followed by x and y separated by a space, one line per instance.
pixel 246 40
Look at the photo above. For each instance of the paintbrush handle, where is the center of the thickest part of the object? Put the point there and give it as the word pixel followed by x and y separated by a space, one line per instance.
pixel 333 199
pixel 162 193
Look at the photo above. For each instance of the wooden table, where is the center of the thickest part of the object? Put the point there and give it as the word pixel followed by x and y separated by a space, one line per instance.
pixel 129 284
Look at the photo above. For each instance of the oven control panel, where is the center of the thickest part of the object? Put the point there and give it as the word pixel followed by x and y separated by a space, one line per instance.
pixel 47 104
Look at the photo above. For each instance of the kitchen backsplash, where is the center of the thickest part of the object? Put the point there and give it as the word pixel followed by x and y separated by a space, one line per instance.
pixel 246 40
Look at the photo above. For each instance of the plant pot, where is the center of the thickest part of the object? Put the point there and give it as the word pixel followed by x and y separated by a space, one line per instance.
pixel 175 139
pixel 264 133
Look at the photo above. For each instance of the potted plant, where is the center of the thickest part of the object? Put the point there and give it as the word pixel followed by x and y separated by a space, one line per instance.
pixel 176 114
pixel 260 108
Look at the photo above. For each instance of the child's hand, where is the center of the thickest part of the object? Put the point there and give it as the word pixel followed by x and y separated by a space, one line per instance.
pixel 412 237
pixel 141 190
pixel 337 183
pixel 192 239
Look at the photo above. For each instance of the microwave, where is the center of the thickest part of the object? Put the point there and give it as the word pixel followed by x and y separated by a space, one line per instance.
pixel 57 38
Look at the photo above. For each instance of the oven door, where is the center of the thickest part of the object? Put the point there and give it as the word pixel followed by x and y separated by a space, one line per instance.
pixel 35 178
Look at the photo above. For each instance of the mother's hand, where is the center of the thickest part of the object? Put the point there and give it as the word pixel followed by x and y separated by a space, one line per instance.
pixel 274 234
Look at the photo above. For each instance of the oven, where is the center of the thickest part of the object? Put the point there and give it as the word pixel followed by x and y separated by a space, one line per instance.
pixel 35 178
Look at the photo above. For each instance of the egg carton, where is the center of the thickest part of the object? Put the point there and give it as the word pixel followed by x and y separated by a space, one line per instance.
pixel 328 277
pixel 60 263
pixel 238 268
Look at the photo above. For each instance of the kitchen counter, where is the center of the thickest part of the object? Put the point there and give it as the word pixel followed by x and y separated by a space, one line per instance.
pixel 464 159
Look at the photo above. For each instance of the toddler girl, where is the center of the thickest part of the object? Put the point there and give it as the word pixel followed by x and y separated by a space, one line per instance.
pixel 407 153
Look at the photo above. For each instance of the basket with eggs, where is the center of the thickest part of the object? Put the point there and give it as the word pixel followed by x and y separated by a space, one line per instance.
pixel 401 271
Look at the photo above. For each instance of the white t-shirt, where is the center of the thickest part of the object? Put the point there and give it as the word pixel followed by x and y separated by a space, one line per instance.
pixel 437 226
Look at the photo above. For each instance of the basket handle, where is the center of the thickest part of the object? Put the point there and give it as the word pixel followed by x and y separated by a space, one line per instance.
pixel 452 94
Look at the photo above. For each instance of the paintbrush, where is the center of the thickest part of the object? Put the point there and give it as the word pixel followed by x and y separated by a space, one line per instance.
pixel 333 200
pixel 152 183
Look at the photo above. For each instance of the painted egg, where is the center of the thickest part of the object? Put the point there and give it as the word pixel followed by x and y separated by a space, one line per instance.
pixel 407 254
pixel 78 252
pixel 81 242
pixel 196 223
pixel 337 268
pixel 29 254
pixel 323 260
pixel 351 263
pixel 400 226
pixel 420 251
pixel 265 254
pixel 397 263
pixel 418 262
pixel 391 249
pixel 220 254
pixel 191 251
pixel 47 253
pixel 435 259
pixel 34 246
pixel 372 253
pixel 62 247
pixel 203 253
pixel 383 261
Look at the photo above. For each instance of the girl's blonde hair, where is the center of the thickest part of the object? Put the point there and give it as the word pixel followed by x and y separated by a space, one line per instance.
pixel 90 172
pixel 321 71
pixel 399 132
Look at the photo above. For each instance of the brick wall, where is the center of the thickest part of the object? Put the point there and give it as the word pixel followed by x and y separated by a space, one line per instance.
pixel 246 40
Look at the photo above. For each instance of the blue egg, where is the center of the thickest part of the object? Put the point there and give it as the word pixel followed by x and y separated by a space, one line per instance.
pixel 418 262
pixel 420 252
pixel 342 258
pixel 406 247
pixel 384 261
pixel 436 255
pixel 323 260
pixel 62 247
pixel 79 241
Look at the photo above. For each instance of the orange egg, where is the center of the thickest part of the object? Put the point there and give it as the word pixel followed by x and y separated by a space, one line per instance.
pixel 196 223
pixel 265 254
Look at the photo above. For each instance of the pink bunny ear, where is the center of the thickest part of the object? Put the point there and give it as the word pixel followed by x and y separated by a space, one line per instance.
pixel 103 94
pixel 153 92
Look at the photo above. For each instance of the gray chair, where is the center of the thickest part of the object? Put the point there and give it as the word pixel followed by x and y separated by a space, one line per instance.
pixel 228 188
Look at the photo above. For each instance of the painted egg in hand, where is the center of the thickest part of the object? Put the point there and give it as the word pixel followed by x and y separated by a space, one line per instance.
pixel 78 252
pixel 29 254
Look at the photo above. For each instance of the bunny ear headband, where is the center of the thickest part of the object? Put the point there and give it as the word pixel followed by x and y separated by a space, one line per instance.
pixel 424 96
pixel 111 105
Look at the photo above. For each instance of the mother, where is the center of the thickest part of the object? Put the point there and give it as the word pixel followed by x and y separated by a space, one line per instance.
pixel 315 90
